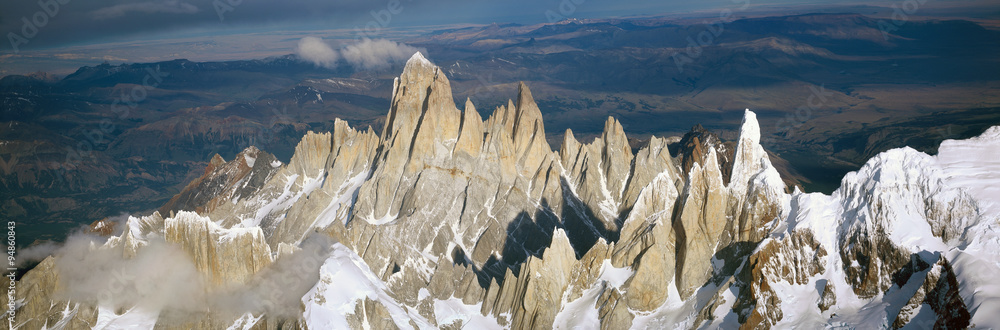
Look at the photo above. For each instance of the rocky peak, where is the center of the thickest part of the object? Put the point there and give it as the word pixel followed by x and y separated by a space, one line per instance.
pixel 750 157
pixel 226 256
pixel 470 139
pixel 527 117
pixel 650 162
pixel 616 157
pixel 599 173
pixel 311 153
pixel 216 161
pixel 528 133
pixel 694 146
pixel 422 112
pixel 570 147
pixel 246 173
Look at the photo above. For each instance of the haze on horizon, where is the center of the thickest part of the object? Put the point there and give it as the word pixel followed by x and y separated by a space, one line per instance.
pixel 77 33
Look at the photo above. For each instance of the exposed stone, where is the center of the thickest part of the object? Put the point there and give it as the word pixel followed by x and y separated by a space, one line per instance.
pixel 794 259
pixel 756 191
pixel 470 139
pixel 599 173
pixel 694 146
pixel 40 305
pixel 699 225
pixel 647 289
pixel 371 314
pixel 827 298
pixel 612 311
pixel 225 256
pixel 650 162
pixel 940 291
pixel 224 182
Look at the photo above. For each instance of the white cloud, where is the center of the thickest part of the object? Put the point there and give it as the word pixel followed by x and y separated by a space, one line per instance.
pixel 35 253
pixel 315 51
pixel 367 54
pixel 163 277
pixel 151 7
pixel 374 54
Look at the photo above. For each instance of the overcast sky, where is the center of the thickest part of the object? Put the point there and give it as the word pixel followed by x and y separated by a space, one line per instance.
pixel 81 22
pixel 56 32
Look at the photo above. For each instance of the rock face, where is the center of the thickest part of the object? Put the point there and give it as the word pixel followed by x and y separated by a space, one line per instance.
pixel 249 172
pixel 694 147
pixel 446 220
pixel 227 256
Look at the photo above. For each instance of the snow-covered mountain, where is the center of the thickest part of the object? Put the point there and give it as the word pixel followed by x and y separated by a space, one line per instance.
pixel 445 220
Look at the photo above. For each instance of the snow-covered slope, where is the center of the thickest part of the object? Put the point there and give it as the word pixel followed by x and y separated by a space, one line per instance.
pixel 902 203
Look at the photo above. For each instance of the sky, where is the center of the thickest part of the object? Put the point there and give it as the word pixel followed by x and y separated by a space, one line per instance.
pixel 75 22
pixel 44 34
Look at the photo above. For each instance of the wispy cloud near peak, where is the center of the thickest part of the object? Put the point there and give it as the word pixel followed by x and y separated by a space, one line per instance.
pixel 367 54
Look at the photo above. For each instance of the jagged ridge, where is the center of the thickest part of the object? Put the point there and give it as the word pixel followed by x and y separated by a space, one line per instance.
pixel 447 219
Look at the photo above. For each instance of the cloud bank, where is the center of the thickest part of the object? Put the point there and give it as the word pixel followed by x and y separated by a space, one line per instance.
pixel 366 54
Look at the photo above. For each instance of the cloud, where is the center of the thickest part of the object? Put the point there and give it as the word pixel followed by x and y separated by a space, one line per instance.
pixel 315 51
pixel 35 253
pixel 38 252
pixel 366 54
pixel 278 289
pixel 151 7
pixel 374 54
pixel 163 277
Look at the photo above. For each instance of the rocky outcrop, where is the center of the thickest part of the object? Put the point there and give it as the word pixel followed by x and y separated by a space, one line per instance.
pixel 756 191
pixel 795 259
pixel 651 160
pixel 533 296
pixel 898 184
pixel 226 256
pixel 940 292
pixel 694 146
pixel 40 306
pixel 700 222
pixel 599 173
pixel 224 182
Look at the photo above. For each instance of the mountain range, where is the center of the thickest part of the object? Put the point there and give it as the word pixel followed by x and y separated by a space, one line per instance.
pixel 830 90
pixel 444 219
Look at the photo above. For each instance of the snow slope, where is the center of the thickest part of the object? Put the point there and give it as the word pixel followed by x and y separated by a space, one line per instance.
pixel 910 196
pixel 345 280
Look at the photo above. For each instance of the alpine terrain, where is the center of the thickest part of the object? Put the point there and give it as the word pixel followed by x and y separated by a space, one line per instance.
pixel 445 219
